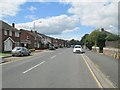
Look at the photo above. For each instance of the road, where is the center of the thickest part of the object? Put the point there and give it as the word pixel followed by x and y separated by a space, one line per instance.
pixel 52 69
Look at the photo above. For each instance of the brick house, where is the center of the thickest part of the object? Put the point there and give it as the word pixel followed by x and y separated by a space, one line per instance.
pixel 30 39
pixel 62 42
pixel 9 36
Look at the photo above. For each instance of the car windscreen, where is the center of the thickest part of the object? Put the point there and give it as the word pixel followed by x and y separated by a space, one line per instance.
pixel 17 48
pixel 77 47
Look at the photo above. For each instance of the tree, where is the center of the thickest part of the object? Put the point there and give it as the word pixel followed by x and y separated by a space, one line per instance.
pixel 112 37
pixel 74 42
pixel 83 39
pixel 96 38
pixel 88 42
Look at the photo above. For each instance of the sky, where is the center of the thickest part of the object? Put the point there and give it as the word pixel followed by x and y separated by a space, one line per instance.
pixel 64 19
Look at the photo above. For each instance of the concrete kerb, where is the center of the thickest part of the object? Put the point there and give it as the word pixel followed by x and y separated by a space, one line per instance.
pixel 32 52
pixel 8 56
pixel 105 82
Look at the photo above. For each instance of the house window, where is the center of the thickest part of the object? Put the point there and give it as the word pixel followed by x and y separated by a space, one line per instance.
pixel 17 34
pixel 5 32
pixel 27 37
pixel 10 33
pixel 17 44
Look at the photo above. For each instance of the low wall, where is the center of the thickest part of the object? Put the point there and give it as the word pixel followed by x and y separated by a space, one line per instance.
pixel 114 52
pixel 112 44
pixel 95 49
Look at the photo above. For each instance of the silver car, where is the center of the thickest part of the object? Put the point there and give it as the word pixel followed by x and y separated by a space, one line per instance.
pixel 20 51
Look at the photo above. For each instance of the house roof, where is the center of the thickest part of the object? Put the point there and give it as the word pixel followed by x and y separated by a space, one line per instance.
pixel 9 38
pixel 106 32
pixel 6 26
pixel 32 33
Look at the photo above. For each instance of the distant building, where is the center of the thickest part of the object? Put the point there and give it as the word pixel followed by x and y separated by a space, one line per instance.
pixel 9 36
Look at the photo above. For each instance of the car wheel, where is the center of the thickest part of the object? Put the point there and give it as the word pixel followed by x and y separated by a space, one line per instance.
pixel 28 54
pixel 22 54
pixel 13 55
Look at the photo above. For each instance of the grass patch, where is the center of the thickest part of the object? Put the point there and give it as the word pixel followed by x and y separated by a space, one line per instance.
pixel 4 54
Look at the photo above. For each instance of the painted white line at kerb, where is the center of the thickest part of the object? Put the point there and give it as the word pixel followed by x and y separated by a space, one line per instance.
pixel 33 67
pixel 53 56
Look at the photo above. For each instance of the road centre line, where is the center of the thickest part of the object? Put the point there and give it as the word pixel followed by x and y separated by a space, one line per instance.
pixel 33 67
pixel 53 56
pixel 97 81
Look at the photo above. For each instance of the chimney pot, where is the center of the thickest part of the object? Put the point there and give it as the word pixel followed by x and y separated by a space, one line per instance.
pixel 13 25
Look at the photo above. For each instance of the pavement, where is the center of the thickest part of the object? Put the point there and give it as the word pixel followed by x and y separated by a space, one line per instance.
pixel 56 69
pixel 11 58
pixel 108 65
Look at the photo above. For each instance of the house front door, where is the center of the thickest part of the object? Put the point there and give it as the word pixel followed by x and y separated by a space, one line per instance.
pixel 8 45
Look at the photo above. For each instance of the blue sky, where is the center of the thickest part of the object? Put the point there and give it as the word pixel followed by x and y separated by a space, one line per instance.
pixel 64 20
pixel 43 10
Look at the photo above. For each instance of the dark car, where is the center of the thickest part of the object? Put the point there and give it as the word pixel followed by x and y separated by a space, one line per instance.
pixel 56 47
pixel 20 51
pixel 51 48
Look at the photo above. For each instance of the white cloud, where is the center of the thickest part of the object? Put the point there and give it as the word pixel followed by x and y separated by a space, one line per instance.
pixel 72 30
pixel 32 17
pixel 52 25
pixel 32 9
pixel 10 8
pixel 96 13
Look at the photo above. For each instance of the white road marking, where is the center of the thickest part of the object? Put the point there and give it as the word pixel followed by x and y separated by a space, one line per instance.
pixel 33 67
pixel 53 56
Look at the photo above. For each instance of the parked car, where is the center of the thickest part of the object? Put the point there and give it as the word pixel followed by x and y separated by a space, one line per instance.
pixel 20 51
pixel 56 47
pixel 77 49
pixel 51 47
pixel 61 46
pixel 68 46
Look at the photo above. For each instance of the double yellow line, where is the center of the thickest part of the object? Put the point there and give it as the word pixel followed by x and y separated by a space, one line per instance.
pixel 91 71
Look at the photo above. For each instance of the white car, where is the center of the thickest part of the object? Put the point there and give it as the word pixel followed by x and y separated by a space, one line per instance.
pixel 77 49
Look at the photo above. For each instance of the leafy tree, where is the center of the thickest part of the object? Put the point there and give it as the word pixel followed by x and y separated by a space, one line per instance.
pixel 83 39
pixel 74 42
pixel 88 42
pixel 112 37
pixel 96 38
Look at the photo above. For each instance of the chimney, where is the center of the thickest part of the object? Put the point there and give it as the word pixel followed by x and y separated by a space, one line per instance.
pixel 13 25
pixel 35 31
pixel 102 29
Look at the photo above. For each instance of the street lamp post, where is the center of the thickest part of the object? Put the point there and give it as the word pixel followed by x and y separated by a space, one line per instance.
pixel 34 27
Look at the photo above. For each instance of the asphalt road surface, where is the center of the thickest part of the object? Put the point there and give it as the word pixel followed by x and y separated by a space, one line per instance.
pixel 50 69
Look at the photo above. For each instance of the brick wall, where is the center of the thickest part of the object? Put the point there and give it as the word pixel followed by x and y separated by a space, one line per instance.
pixel 24 36
pixel 112 44
pixel 113 52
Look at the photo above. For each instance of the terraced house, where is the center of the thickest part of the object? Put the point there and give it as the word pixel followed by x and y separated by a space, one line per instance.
pixel 30 39
pixel 10 36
